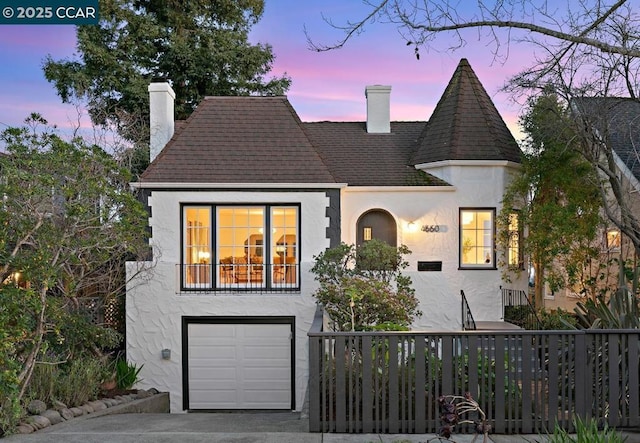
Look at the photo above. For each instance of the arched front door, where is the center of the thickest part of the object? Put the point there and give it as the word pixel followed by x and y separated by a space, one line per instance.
pixel 378 224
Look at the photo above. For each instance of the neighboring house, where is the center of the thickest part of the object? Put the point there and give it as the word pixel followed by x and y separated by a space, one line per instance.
pixel 244 195
pixel 617 123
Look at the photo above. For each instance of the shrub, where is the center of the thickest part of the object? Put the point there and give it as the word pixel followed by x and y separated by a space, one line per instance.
pixel 556 320
pixel 586 432
pixel 362 288
pixel 80 381
pixel 127 374
pixel 43 381
pixel 73 383
pixel 10 409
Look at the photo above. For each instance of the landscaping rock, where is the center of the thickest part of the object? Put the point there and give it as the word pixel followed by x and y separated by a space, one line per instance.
pixel 143 394
pixel 77 412
pixel 38 421
pixel 107 402
pixel 36 407
pixel 24 428
pixel 67 414
pixel 97 405
pixel 87 408
pixel 154 391
pixel 53 416
pixel 58 405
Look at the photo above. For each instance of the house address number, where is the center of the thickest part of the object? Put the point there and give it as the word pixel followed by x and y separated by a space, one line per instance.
pixel 431 228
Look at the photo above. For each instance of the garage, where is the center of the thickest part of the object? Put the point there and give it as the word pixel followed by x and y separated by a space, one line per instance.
pixel 238 363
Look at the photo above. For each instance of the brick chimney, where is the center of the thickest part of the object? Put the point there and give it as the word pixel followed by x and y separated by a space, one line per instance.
pixel 161 116
pixel 378 109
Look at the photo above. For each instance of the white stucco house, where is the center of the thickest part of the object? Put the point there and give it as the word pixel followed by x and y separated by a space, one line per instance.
pixel 243 195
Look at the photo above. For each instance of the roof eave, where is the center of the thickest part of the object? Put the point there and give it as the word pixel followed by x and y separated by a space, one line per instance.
pixel 184 185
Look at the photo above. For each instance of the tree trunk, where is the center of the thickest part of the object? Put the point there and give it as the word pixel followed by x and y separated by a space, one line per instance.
pixel 27 369
pixel 538 289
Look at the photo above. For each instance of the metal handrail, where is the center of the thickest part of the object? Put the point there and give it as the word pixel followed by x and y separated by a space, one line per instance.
pixel 237 277
pixel 518 309
pixel 468 323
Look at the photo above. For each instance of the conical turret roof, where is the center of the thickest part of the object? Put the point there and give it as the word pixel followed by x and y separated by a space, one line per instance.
pixel 465 125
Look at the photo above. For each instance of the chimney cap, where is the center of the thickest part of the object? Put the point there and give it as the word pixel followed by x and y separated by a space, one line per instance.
pixel 160 79
pixel 377 89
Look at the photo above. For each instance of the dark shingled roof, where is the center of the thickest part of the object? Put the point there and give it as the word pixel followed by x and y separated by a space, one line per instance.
pixel 240 140
pixel 618 121
pixel 261 140
pixel 363 159
pixel 466 125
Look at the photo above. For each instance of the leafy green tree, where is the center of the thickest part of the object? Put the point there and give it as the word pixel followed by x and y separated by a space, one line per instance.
pixel 363 288
pixel 556 197
pixel 201 46
pixel 67 223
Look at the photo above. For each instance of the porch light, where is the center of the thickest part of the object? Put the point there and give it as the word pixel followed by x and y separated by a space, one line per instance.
pixel 412 226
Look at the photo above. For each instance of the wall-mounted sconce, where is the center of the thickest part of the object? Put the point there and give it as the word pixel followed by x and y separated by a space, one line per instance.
pixel 412 226
pixel 166 354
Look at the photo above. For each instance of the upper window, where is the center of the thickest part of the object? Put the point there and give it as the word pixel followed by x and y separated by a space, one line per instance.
pixel 514 249
pixel 249 247
pixel 477 233
pixel 613 240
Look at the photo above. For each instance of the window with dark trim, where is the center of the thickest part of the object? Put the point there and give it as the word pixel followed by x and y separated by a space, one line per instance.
pixel 240 246
pixel 477 234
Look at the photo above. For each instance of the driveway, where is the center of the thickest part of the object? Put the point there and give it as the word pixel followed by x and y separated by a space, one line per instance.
pixel 268 427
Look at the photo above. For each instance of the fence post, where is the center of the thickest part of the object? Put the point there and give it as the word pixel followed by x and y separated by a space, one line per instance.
pixel 315 357
pixel 582 371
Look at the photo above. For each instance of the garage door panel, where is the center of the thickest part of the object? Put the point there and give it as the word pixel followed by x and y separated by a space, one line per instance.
pixel 263 374
pixel 239 366
pixel 213 374
pixel 270 352
pixel 204 353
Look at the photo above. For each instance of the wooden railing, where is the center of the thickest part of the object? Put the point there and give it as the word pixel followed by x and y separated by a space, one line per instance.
pixel 525 381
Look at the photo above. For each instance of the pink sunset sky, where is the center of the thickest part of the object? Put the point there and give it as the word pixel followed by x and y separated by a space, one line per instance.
pixel 325 86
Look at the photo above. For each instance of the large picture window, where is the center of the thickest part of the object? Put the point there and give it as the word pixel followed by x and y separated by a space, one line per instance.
pixel 250 246
pixel 477 233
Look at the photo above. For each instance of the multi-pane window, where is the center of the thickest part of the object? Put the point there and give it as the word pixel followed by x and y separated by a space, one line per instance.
pixel 514 251
pixel 250 246
pixel 197 245
pixel 613 240
pixel 477 232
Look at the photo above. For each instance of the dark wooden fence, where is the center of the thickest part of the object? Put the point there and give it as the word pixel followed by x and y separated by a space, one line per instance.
pixel 525 381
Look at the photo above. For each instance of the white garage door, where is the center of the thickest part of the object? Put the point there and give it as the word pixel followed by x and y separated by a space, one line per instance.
pixel 239 366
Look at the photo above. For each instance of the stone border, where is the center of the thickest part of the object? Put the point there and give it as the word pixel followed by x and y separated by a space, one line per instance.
pixel 143 401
